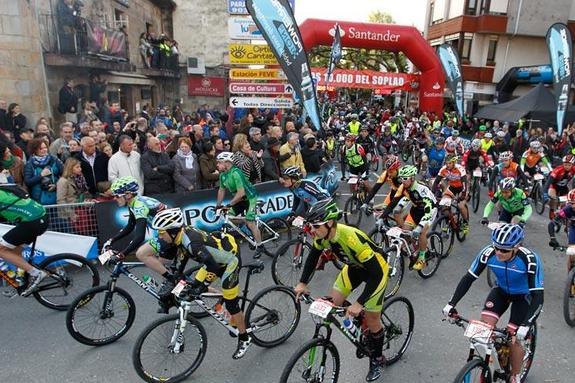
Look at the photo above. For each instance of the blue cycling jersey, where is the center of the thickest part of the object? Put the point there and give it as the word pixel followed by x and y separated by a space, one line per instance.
pixel 518 276
pixel 435 158
pixel 306 194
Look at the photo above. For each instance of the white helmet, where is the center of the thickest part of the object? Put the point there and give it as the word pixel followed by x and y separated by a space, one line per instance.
pixel 535 144
pixel 168 219
pixel 488 135
pixel 506 156
pixel 476 143
pixel 225 156
pixel 501 134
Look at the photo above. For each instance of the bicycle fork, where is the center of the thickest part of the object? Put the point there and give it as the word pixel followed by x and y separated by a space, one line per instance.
pixel 177 341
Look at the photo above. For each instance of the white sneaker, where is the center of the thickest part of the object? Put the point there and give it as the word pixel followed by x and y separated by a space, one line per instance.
pixel 33 283
pixel 243 346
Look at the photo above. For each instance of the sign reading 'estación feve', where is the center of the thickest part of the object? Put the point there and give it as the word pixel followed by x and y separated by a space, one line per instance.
pixel 256 74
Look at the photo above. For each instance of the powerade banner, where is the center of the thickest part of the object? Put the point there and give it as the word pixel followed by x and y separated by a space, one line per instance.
pixel 450 63
pixel 199 207
pixel 276 21
pixel 561 54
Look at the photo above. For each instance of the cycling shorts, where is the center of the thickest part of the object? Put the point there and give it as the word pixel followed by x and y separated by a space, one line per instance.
pixel 415 217
pixel 24 233
pixel 245 207
pixel 498 302
pixel 230 276
pixel 559 190
pixel 350 278
pixel 455 190
pixel 359 170
pixel 505 216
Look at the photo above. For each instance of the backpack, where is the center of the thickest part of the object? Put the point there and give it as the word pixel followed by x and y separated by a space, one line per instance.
pixel 16 190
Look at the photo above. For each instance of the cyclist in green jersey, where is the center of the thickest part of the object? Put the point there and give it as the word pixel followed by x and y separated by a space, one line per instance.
pixel 515 206
pixel 31 221
pixel 245 196
pixel 364 262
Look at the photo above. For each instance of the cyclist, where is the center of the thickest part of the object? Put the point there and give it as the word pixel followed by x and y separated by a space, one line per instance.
pixel 515 206
pixel 531 157
pixel 454 144
pixel 306 193
pixel 391 166
pixel 456 186
pixel 421 214
pixel 363 263
pixel 567 213
pixel 31 221
pixel 354 125
pixel 470 160
pixel 556 184
pixel 366 141
pixel 522 288
pixel 244 198
pixel 506 168
pixel 386 141
pixel 356 158
pixel 499 144
pixel 218 254
pixel 435 155
pixel 481 132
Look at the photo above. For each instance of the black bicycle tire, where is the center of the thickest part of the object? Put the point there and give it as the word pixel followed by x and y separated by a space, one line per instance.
pixel 538 202
pixel 136 360
pixel 451 240
pixel 400 269
pixel 459 234
pixel 532 346
pixel 275 223
pixel 469 366
pixel 280 253
pixel 411 313
pixel 570 320
pixel 56 258
pixel 254 302
pixel 476 195
pixel 89 294
pixel 384 243
pixel 317 342
pixel 421 273
pixel 347 208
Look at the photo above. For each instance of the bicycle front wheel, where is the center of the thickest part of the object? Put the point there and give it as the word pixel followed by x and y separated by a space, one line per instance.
pixel 398 319
pixel 432 256
pixel 289 261
pixel 377 235
pixel 352 212
pixel 275 238
pixel 100 316
pixel 165 353
pixel 396 266
pixel 273 315
pixel 569 299
pixel 475 371
pixel 475 194
pixel 443 227
pixel 538 200
pixel 69 276
pixel 315 361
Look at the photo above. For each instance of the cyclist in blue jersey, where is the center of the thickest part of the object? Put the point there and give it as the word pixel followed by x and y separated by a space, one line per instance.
pixel 567 213
pixel 435 157
pixel 519 273
pixel 306 193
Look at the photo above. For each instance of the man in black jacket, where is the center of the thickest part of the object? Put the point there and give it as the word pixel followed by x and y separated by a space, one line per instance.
pixel 158 169
pixel 94 166
pixel 68 101
pixel 271 170
pixel 4 115
pixel 312 155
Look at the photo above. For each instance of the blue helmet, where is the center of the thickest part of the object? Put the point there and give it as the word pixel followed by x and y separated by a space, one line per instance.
pixel 507 236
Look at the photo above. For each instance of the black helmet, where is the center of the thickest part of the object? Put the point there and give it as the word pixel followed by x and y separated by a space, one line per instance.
pixel 323 211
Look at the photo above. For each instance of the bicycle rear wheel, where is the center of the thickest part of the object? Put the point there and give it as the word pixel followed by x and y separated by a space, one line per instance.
pixel 443 227
pixel 279 227
pixel 69 276
pixel 100 316
pixel 163 353
pixel 352 212
pixel 273 315
pixel 315 361
pixel 432 256
pixel 475 371
pixel 288 262
pixel 569 299
pixel 398 319
pixel 396 265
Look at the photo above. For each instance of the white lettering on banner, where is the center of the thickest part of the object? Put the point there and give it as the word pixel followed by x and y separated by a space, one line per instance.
pixel 566 58
pixel 429 94
pixel 270 88
pixel 368 35
pixel 261 102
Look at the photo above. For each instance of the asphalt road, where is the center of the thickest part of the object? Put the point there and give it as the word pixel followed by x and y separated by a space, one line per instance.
pixel 36 347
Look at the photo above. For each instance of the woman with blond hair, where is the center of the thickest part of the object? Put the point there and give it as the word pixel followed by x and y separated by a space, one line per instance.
pixel 72 186
pixel 248 161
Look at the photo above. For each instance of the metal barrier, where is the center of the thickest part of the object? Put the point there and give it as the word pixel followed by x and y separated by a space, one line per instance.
pixel 73 218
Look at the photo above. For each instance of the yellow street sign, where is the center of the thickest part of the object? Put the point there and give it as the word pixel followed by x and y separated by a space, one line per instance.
pixel 251 54
pixel 256 74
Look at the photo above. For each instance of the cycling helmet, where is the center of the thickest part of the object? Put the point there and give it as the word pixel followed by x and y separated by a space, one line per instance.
pixel 571 196
pixel 569 158
pixel 392 162
pixel 436 130
pixel 354 116
pixel 455 133
pixel 124 185
pixel 323 211
pixel 407 171
pixel 440 141
pixel 507 183
pixel 292 172
pixel 501 134
pixel 415 119
pixel 476 143
pixel 506 156
pixel 507 236
pixel 350 137
pixel 168 219
pixel 451 158
pixel 225 156
pixel 488 135
pixel 482 128
pixel 535 144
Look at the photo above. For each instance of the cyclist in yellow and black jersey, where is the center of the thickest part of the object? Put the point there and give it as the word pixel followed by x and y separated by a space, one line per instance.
pixel 217 252
pixel 364 262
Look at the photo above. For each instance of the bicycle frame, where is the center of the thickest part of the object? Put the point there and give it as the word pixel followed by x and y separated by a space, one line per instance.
pixel 124 268
pixel 260 224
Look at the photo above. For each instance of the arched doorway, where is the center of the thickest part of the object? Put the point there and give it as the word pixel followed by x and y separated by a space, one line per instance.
pixel 393 38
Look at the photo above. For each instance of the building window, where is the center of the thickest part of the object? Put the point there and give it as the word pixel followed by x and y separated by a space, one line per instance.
pixel 466 50
pixel 431 8
pixel 120 19
pixel 485 5
pixel 471 7
pixel 491 52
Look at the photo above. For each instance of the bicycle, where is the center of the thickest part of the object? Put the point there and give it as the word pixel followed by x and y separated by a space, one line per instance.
pixel 68 275
pixel 352 207
pixel 408 148
pixel 289 261
pixel 274 232
pixel 569 298
pixel 104 314
pixel 271 318
pixel 489 353
pixel 310 362
pixel 448 225
pixel 475 188
pixel 374 161
pixel 535 191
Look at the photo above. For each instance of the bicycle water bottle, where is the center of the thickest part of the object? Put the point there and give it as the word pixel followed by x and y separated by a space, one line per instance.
pixel 351 328
pixel 4 266
pixel 150 282
pixel 20 276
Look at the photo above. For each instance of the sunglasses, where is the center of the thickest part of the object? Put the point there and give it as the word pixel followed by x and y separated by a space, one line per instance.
pixel 317 225
pixel 503 251
pixel 226 143
pixel 403 179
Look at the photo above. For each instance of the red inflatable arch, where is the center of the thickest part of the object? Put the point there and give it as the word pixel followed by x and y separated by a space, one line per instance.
pixel 393 38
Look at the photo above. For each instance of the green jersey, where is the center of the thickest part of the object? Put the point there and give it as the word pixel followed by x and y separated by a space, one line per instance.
pixel 517 202
pixel 234 179
pixel 16 209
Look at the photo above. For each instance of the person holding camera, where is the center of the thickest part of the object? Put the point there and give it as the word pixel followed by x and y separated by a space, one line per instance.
pixel 42 172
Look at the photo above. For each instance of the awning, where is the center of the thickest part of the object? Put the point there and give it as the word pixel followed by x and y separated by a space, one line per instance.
pixel 123 78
